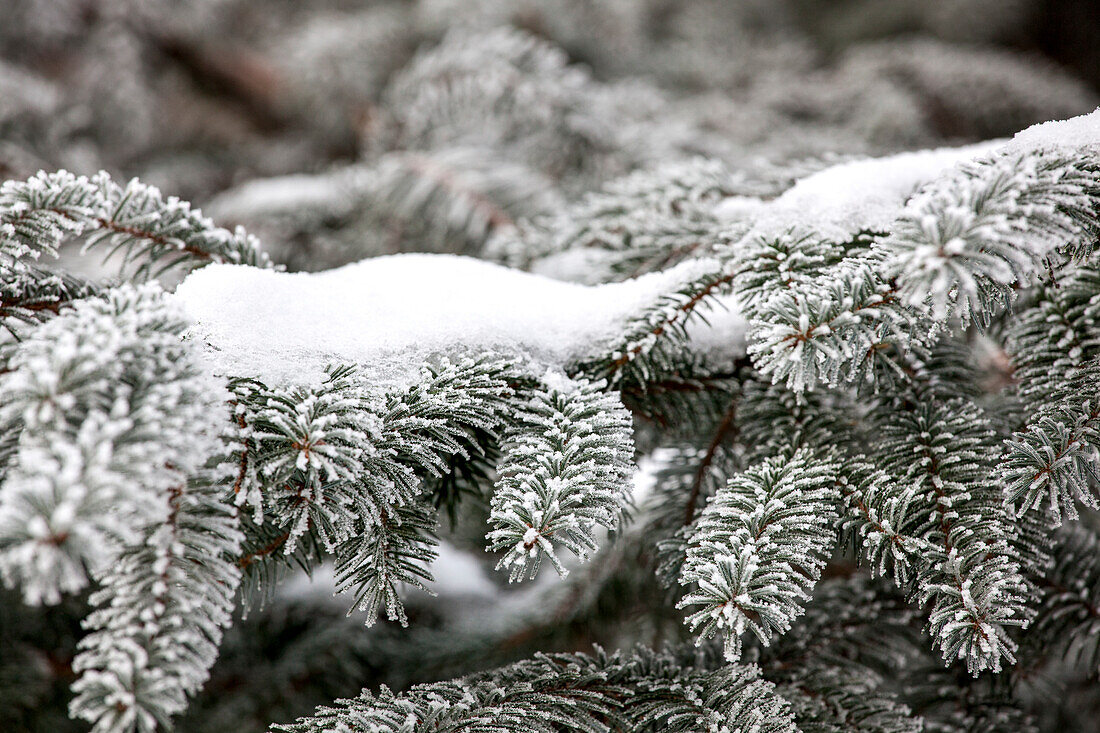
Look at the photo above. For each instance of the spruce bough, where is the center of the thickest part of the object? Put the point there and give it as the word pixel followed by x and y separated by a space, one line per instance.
pixel 838 508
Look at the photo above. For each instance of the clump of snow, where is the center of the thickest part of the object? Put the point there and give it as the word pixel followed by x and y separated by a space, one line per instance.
pixel 860 194
pixel 458 573
pixel 1076 132
pixel 393 314
pixel 870 193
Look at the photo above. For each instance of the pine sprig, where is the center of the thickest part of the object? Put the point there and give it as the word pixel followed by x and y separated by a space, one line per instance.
pixel 159 616
pixel 564 470
pixel 1069 615
pixel 110 478
pixel 771 264
pixel 846 327
pixel 1055 459
pixel 945 450
pixel 341 468
pixel 1055 334
pixel 637 691
pixel 652 343
pixel 758 549
pixel 115 411
pixel 990 225
pixel 153 233
pixel 394 550
pixel 33 298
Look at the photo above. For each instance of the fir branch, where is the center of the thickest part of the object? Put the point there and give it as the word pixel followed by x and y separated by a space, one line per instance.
pixel 341 469
pixel 113 407
pixel 564 471
pixel 396 550
pixel 768 265
pixel 1055 334
pixel 31 299
pixel 1055 459
pixel 944 448
pixel 878 520
pixel 154 233
pixel 990 225
pixel 844 328
pixel 1069 608
pixel 652 342
pixel 646 221
pixel 638 691
pixel 758 548
pixel 159 617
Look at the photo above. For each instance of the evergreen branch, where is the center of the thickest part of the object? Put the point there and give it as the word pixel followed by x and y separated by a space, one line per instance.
pixel 837 700
pixel 154 233
pixel 652 342
pixel 836 663
pixel 337 466
pixel 773 420
pixel 309 445
pixel 159 617
pixel 950 701
pixel 30 300
pixel 759 548
pixel 111 401
pixel 688 473
pixel 395 550
pixel 639 691
pixel 643 222
pixel 1055 335
pixel 878 517
pixel 110 478
pixel 1069 609
pixel 565 469
pixel 990 225
pixel 944 449
pixel 842 329
pixel 1055 458
pixel 768 265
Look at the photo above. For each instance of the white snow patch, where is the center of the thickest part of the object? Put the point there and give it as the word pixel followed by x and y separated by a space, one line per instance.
pixel 392 314
pixel 860 194
pixel 738 208
pixel 1076 132
pixel 645 475
pixel 282 194
pixel 458 573
pixel 870 193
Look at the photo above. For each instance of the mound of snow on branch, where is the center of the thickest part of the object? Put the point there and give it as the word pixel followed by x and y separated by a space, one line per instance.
pixel 857 195
pixel 1077 132
pixel 393 314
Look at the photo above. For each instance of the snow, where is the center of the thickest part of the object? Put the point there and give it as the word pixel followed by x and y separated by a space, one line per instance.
pixel 1076 132
pixel 859 194
pixel 393 314
pixel 280 195
pixel 870 193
